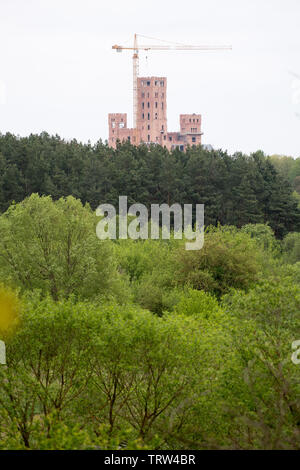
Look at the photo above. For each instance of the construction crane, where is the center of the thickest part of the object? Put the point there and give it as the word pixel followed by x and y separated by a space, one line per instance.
pixel 175 46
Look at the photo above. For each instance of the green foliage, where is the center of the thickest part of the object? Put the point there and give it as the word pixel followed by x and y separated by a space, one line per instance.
pixel 197 304
pixel 149 265
pixel 141 344
pixel 139 257
pixel 236 190
pixel 53 246
pixel 92 367
pixel 289 168
pixel 50 433
pixel 267 406
pixel 291 247
pixel 296 194
pixel 229 259
pixel 265 237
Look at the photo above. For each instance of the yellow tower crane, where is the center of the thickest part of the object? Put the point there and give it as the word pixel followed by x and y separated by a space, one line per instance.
pixel 174 46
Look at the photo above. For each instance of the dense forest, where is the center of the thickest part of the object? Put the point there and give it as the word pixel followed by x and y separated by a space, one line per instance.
pixel 140 344
pixel 236 190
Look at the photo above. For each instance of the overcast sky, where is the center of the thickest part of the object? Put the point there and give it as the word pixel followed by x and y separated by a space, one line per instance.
pixel 60 75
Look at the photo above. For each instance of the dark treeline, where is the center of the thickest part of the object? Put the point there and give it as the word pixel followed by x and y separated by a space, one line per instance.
pixel 236 190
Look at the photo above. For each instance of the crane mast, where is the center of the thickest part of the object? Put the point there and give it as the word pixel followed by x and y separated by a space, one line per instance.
pixel 135 58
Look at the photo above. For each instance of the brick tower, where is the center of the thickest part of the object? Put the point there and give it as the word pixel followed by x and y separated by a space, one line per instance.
pixel 152 109
pixel 151 120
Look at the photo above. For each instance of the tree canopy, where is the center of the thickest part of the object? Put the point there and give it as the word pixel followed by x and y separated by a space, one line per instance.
pixel 236 190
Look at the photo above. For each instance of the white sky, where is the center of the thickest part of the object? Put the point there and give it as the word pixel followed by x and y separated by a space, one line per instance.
pixel 59 73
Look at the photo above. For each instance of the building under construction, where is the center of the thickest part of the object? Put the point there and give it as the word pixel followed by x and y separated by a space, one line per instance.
pixel 150 108
pixel 151 119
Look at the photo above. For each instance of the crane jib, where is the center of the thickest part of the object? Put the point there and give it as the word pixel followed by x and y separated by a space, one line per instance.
pixel 175 47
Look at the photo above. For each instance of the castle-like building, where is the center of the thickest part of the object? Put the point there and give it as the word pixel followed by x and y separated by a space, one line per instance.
pixel 151 120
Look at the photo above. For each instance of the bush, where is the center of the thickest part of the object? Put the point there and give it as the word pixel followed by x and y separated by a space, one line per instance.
pixel 228 259
pixel 291 248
